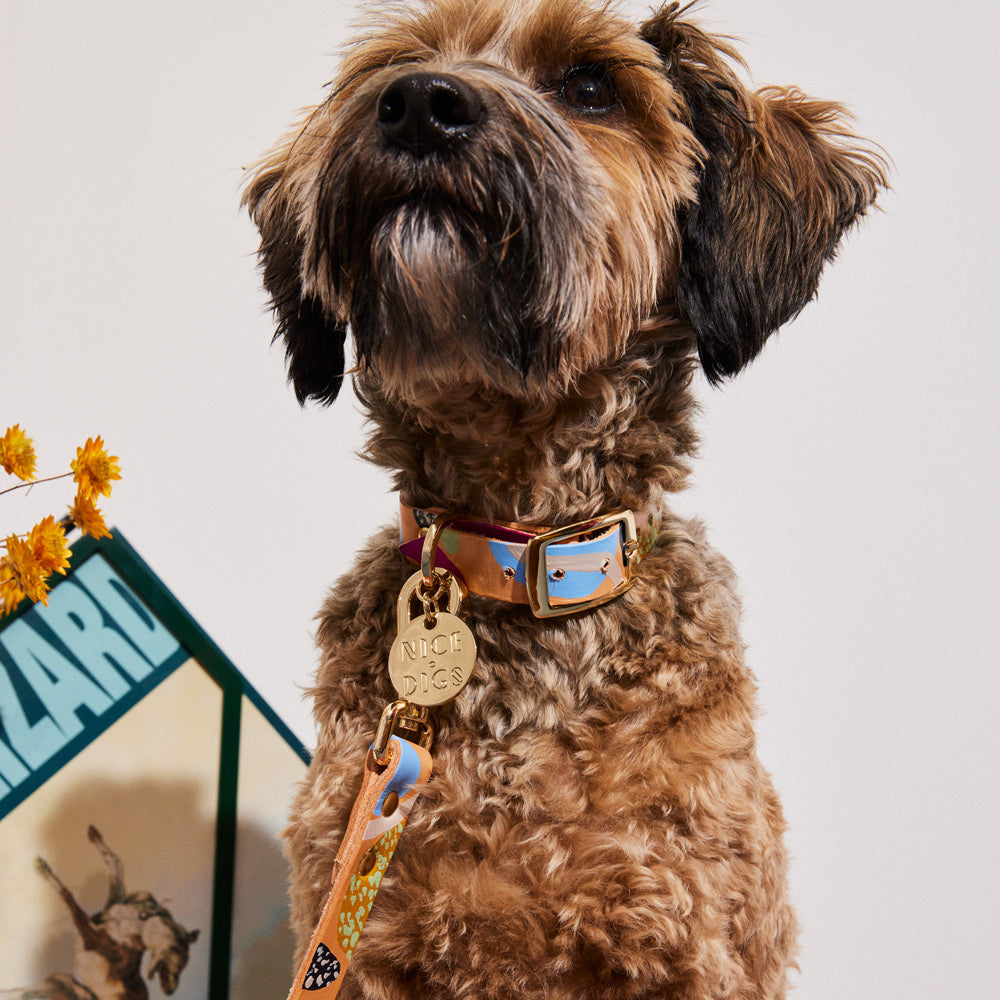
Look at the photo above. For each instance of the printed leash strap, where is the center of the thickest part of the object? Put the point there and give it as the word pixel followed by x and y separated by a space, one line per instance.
pixel 377 819
pixel 430 661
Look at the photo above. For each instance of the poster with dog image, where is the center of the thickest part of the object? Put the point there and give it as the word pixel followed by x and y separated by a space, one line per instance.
pixel 142 787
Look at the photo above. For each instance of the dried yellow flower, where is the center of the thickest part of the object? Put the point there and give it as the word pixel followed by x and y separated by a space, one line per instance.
pixel 17 453
pixel 23 573
pixel 28 561
pixel 48 544
pixel 10 595
pixel 88 518
pixel 94 469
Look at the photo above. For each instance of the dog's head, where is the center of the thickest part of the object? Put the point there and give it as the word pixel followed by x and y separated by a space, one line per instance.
pixel 508 193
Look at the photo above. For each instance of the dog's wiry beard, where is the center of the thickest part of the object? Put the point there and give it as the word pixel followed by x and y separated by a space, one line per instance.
pixel 440 285
pixel 490 254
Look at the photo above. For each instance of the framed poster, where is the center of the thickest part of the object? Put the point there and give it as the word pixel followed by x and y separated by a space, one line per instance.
pixel 143 786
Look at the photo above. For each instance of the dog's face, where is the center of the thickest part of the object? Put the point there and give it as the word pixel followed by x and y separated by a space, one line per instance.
pixel 509 193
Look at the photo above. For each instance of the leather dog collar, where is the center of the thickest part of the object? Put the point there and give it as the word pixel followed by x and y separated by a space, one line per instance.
pixel 555 571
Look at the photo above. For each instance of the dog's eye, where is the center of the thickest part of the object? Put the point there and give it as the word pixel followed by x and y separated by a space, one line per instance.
pixel 589 88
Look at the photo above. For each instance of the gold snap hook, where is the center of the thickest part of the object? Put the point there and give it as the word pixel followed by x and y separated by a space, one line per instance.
pixel 432 578
pixel 402 718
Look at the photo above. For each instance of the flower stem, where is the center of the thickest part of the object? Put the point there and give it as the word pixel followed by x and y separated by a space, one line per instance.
pixel 34 482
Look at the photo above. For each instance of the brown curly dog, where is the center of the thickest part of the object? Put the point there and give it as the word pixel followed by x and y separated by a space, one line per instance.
pixel 537 220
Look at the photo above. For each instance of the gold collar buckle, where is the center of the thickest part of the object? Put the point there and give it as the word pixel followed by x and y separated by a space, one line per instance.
pixel 537 575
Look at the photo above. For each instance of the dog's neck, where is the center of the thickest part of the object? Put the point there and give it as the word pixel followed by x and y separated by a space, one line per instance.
pixel 619 439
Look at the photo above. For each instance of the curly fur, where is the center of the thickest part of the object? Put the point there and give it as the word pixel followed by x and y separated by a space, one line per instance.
pixel 528 305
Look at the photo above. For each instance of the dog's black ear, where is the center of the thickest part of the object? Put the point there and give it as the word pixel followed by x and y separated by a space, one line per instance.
pixel 314 344
pixel 781 178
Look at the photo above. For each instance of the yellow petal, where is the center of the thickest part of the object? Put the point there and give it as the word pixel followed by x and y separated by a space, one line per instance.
pixel 94 469
pixel 24 569
pixel 17 453
pixel 48 544
pixel 87 517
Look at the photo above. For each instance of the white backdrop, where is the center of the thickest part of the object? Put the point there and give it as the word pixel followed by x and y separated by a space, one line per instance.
pixel 851 475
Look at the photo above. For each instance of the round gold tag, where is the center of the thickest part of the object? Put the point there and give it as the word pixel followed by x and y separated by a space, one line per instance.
pixel 429 665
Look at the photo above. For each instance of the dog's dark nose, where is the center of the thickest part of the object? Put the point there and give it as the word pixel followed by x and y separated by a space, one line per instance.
pixel 421 112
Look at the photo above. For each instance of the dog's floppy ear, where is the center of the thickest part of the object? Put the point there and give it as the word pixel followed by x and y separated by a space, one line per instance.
pixel 314 344
pixel 781 178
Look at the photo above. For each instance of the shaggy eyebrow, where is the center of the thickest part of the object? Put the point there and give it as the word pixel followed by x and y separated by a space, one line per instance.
pixel 541 45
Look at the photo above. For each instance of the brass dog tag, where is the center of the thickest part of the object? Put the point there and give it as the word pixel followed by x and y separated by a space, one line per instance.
pixel 433 656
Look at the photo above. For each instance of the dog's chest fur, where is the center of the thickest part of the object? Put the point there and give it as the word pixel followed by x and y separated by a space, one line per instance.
pixel 598 815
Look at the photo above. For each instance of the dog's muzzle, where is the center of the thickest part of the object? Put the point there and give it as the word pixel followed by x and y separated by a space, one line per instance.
pixel 422 112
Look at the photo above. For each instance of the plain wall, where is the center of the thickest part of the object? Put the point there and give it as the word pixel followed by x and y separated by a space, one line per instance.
pixel 850 475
